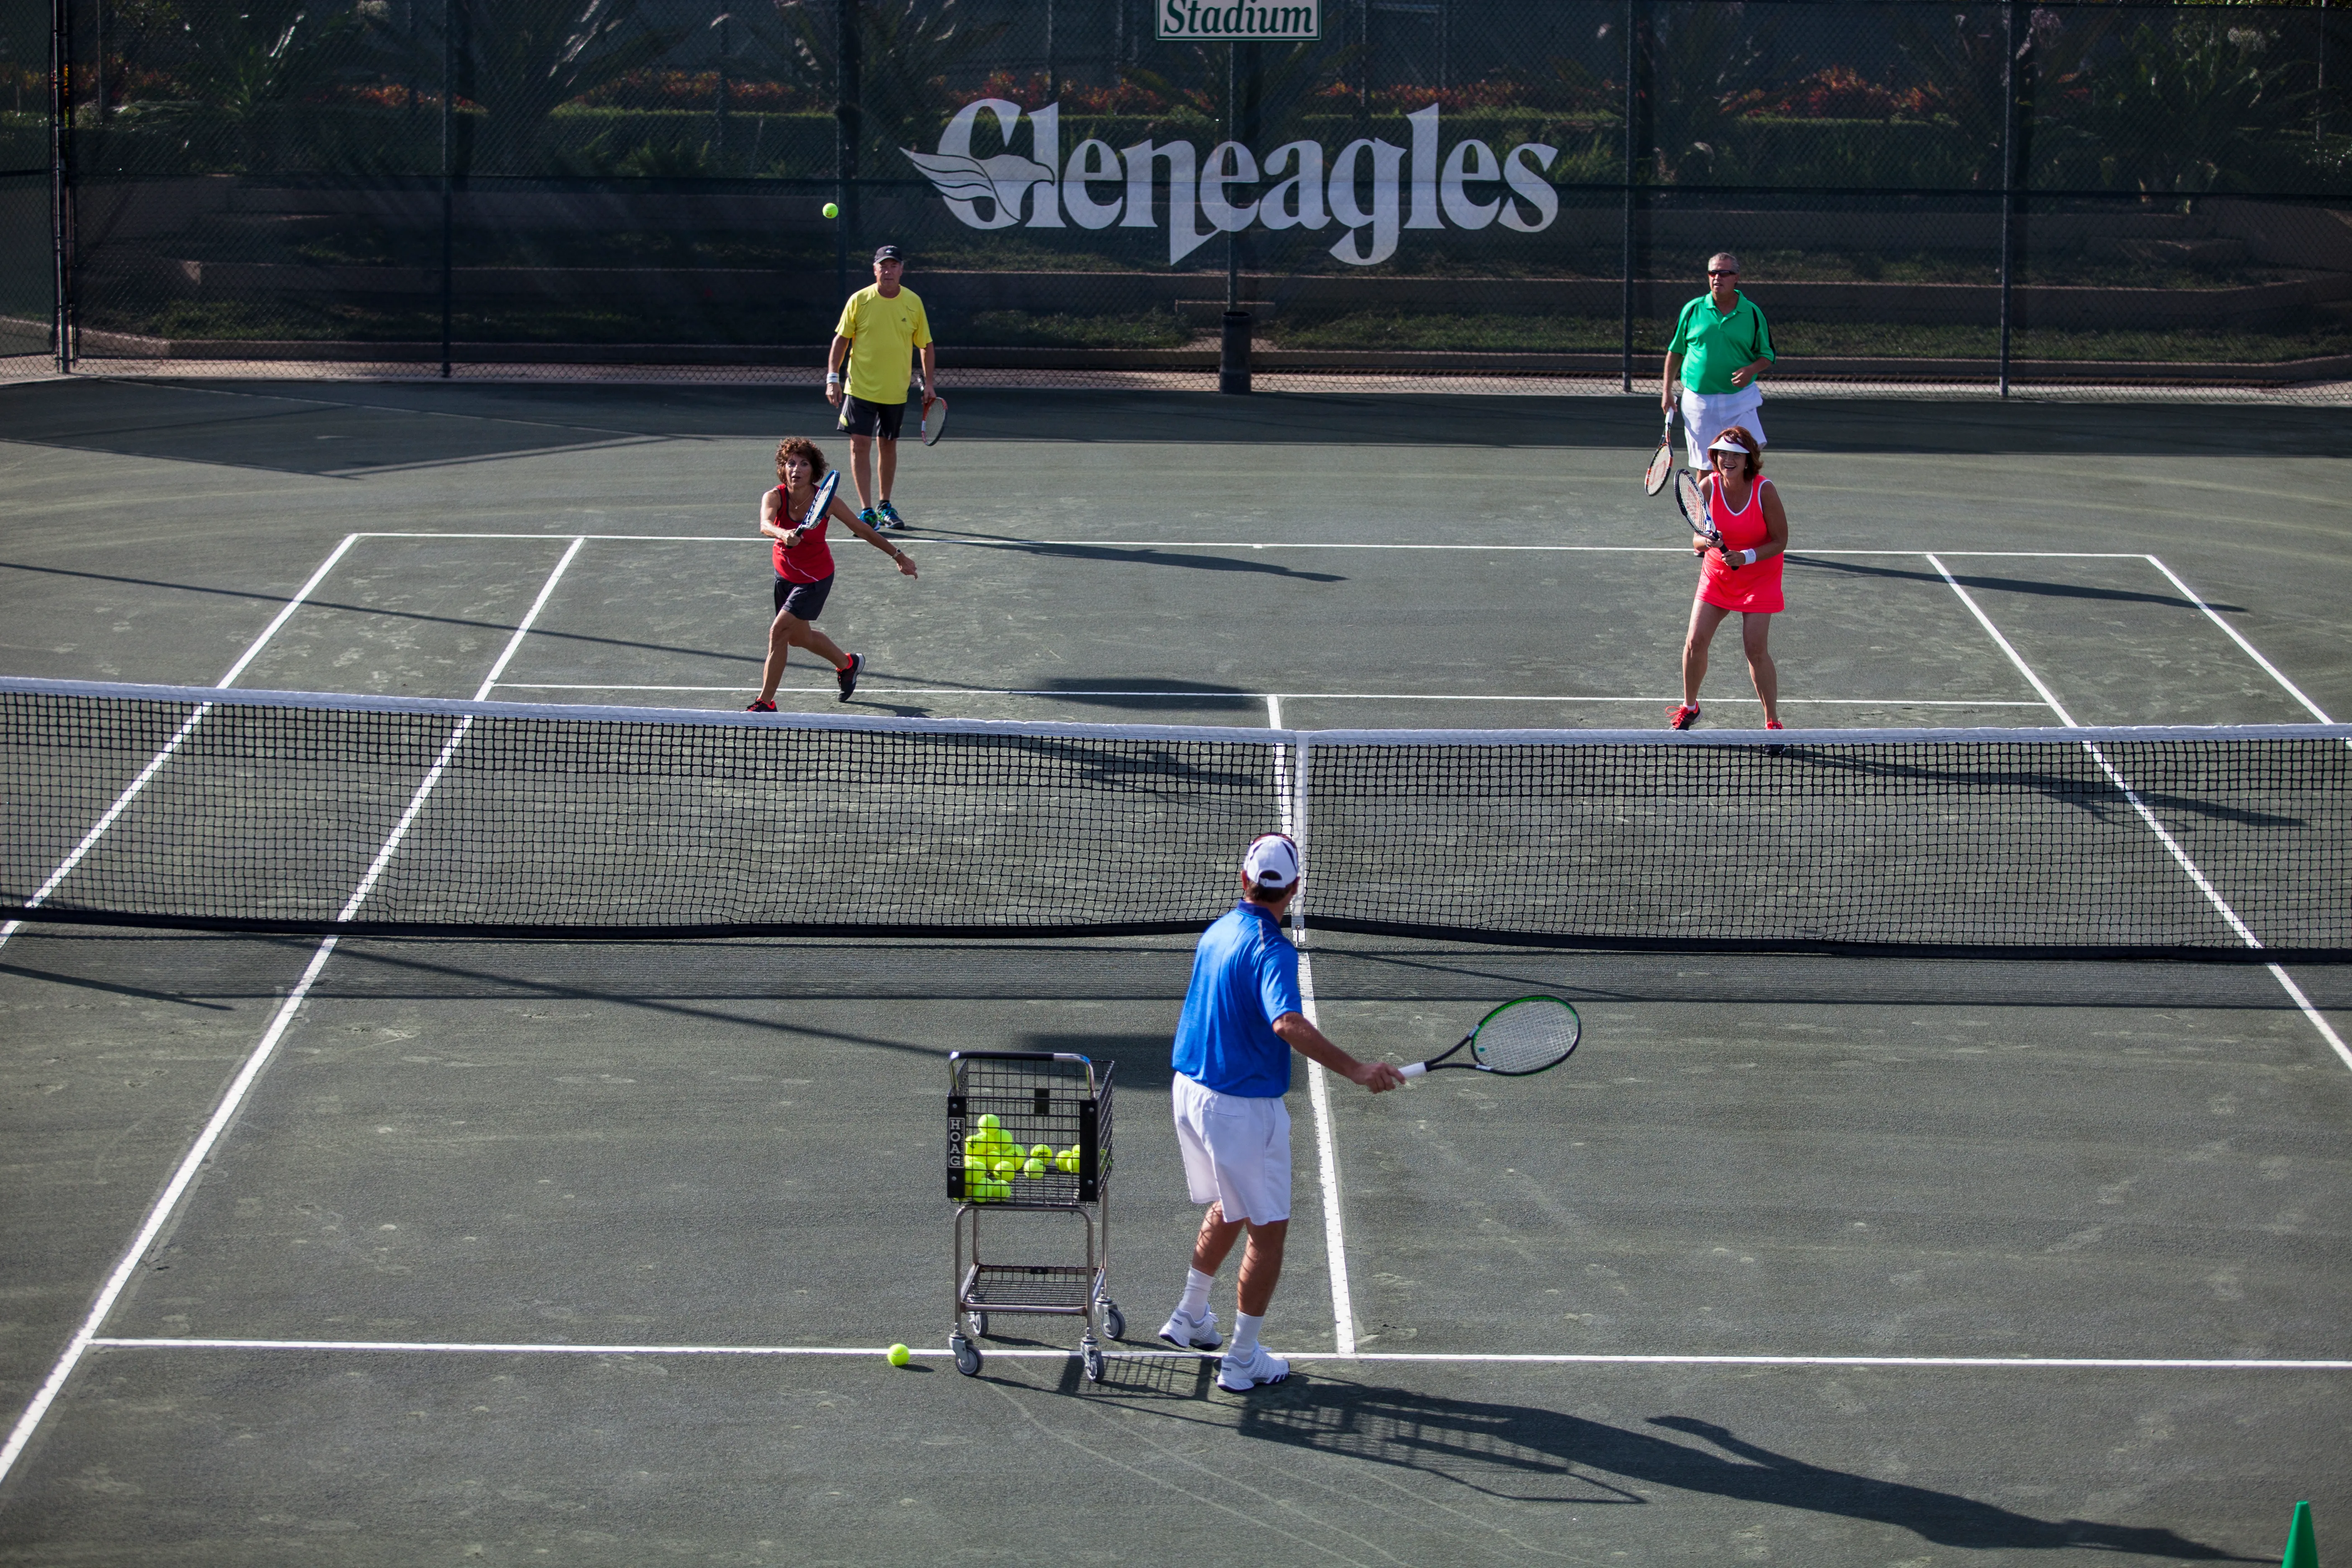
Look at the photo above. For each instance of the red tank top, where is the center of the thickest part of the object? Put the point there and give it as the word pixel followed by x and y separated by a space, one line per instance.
pixel 810 561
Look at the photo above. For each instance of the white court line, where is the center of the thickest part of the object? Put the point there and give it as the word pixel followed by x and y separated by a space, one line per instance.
pixel 146 775
pixel 2294 993
pixel 1564 1358
pixel 1290 787
pixel 1010 544
pixel 1275 695
pixel 2251 651
pixel 159 1213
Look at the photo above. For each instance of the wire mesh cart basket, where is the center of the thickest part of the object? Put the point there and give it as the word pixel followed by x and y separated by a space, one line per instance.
pixel 1030 1132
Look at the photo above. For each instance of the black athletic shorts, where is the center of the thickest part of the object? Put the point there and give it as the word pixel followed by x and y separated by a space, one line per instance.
pixel 860 417
pixel 804 601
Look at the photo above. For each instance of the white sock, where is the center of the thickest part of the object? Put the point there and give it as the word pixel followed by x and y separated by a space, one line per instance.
pixel 1243 1343
pixel 1196 1294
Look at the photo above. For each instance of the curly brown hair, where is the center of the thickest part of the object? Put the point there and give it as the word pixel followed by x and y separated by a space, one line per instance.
pixel 803 449
pixel 1738 433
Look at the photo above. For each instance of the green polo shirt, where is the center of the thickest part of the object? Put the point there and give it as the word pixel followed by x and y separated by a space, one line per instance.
pixel 1714 343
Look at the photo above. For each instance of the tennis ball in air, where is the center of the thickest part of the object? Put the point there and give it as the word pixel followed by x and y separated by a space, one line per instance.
pixel 832 209
pixel 900 1355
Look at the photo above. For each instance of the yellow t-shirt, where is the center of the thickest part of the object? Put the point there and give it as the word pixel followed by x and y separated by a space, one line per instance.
pixel 885 335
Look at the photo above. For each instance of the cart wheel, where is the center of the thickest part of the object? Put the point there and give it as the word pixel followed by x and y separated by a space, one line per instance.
pixel 1114 1321
pixel 967 1357
pixel 976 1324
pixel 1092 1357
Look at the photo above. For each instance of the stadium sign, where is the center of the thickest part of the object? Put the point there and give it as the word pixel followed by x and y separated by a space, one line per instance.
pixel 1372 189
pixel 1189 21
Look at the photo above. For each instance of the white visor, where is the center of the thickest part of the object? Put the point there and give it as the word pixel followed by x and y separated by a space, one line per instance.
pixel 1725 444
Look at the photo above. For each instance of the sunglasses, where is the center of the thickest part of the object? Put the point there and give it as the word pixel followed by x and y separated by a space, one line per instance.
pixel 1723 272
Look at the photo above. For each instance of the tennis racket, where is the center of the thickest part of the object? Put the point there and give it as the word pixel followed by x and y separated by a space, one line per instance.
pixel 934 423
pixel 816 509
pixel 1690 495
pixel 1662 463
pixel 1528 1035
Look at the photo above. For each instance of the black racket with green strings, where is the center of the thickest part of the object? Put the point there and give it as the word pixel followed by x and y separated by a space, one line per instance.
pixel 1531 1035
pixel 1662 463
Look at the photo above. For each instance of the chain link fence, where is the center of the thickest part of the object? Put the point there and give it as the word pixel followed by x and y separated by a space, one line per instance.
pixel 1945 195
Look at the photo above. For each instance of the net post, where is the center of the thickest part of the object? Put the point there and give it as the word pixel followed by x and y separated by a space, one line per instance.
pixel 2009 152
pixel 1299 773
pixel 1625 266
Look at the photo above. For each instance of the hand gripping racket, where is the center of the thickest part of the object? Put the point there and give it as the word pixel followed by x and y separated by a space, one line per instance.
pixel 816 509
pixel 1662 464
pixel 934 423
pixel 1690 495
pixel 1528 1035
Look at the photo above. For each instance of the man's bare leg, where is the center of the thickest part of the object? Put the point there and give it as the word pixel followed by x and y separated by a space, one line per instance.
pixel 890 467
pixel 1261 1261
pixel 861 470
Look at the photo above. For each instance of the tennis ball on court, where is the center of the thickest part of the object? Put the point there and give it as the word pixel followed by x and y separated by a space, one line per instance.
pixel 832 209
pixel 989 1122
pixel 1034 1168
pixel 900 1355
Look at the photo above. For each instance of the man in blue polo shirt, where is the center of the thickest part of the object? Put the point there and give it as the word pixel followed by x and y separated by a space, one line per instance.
pixel 1242 1017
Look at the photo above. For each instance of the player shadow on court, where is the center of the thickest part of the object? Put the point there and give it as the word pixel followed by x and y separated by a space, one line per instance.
pixel 2039 589
pixel 1167 697
pixel 1526 1455
pixel 1154 555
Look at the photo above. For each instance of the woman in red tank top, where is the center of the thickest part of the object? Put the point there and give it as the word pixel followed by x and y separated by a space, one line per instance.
pixel 1742 575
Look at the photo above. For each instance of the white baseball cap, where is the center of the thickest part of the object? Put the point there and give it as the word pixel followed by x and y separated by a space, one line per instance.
pixel 1272 862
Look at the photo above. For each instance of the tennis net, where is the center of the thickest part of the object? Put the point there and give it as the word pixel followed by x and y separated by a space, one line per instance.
pixel 288 812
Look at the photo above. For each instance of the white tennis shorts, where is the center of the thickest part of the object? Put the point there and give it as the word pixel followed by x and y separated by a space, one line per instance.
pixel 1236 1151
pixel 1707 416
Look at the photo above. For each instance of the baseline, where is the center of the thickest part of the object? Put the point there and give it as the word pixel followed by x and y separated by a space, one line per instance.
pixel 1560 1358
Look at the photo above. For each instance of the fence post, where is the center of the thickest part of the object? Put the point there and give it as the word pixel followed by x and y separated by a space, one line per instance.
pixel 1625 268
pixel 450 24
pixel 61 225
pixel 845 138
pixel 2009 151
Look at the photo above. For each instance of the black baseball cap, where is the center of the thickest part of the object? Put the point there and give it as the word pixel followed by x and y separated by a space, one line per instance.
pixel 888 253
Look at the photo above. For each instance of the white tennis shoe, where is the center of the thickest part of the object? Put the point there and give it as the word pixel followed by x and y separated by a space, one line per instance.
pixel 1191 1333
pixel 1235 1375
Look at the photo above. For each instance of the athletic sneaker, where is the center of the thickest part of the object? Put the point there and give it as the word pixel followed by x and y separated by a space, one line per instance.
pixel 847 678
pixel 870 518
pixel 888 516
pixel 761 708
pixel 1235 1377
pixel 1682 716
pixel 1191 1333
pixel 1773 751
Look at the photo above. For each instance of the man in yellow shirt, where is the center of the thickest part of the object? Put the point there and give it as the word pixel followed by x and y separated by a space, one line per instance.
pixel 884 325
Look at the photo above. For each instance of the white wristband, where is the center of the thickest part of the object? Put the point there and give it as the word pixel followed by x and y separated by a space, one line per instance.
pixel 1748 558
pixel 832 376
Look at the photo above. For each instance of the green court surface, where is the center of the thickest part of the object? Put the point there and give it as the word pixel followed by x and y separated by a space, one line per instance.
pixel 409 1251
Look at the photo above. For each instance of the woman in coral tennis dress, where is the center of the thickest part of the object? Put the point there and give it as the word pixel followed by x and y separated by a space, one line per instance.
pixel 1742 575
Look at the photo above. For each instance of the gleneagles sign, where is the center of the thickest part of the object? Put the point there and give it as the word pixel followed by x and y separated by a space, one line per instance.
pixel 1365 187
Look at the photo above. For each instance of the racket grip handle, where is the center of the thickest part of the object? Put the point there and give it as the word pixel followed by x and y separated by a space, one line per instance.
pixel 1413 1069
